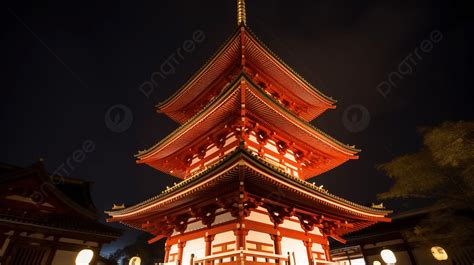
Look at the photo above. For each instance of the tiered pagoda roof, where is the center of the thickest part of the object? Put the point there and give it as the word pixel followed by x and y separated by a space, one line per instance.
pixel 245 142
pixel 262 180
pixel 223 111
pixel 245 52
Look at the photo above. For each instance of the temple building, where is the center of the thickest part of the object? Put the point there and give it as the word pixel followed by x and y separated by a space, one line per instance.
pixel 243 152
pixel 47 219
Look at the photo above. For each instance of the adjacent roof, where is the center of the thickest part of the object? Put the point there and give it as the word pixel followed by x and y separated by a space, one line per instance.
pixel 70 205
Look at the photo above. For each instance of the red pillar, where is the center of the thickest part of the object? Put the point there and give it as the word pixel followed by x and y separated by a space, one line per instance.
pixel 277 242
pixel 240 234
pixel 209 240
pixel 181 246
pixel 167 253
pixel 327 253
pixel 309 251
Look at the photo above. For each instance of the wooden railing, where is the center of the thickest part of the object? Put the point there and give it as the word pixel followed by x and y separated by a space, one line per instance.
pixel 243 257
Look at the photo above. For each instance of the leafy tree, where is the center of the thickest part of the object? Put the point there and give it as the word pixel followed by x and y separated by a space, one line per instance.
pixel 441 171
pixel 148 253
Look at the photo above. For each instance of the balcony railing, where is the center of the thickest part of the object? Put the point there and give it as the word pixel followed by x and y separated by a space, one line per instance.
pixel 240 257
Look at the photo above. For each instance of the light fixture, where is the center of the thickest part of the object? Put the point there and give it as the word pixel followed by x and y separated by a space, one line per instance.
pixel 439 253
pixel 376 262
pixel 135 261
pixel 84 257
pixel 388 256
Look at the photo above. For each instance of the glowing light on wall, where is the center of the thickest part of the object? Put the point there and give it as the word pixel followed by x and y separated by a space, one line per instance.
pixel 84 257
pixel 388 256
pixel 377 263
pixel 135 261
pixel 439 253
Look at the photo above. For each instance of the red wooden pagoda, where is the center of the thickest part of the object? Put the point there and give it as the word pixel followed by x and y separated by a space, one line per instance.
pixel 243 151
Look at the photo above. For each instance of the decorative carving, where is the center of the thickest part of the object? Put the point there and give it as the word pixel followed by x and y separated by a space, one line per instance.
pixel 188 159
pixel 282 147
pixel 262 137
pixel 207 214
pixel 307 222
pixel 230 204
pixel 220 141
pixel 278 214
pixel 202 151
pixel 181 222
pixel 249 204
pixel 299 155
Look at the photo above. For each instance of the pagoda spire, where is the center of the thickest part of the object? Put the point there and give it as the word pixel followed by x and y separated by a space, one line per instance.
pixel 241 13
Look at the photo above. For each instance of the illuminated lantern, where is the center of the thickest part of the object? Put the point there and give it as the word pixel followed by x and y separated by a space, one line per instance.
pixel 84 257
pixel 439 253
pixel 388 256
pixel 377 263
pixel 135 261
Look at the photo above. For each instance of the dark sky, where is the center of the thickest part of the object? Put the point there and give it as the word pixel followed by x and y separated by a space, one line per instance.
pixel 66 63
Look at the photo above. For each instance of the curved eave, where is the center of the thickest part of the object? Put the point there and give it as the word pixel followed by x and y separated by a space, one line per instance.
pixel 297 77
pixel 162 106
pixel 302 123
pixel 323 101
pixel 232 160
pixel 213 107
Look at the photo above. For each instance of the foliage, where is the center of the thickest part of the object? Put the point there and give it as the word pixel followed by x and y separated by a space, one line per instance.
pixel 441 171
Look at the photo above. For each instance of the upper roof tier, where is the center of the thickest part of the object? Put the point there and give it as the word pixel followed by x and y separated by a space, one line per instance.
pixel 245 52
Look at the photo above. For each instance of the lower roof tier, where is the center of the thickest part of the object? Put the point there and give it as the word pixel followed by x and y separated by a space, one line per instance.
pixel 241 182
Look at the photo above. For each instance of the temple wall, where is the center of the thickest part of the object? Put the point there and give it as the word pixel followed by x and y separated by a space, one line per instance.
pixel 318 252
pixel 273 156
pixel 173 256
pixel 258 241
pixel 196 247
pixel 259 216
pixel 62 257
pixel 223 242
pixel 259 236
pixel 297 250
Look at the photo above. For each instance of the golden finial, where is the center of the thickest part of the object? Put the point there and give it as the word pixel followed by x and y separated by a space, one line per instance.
pixel 241 13
pixel 118 206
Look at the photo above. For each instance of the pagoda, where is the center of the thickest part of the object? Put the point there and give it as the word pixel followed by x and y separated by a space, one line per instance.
pixel 243 151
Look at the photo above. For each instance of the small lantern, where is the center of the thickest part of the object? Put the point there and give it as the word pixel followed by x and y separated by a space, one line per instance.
pixel 84 257
pixel 439 253
pixel 388 256
pixel 135 261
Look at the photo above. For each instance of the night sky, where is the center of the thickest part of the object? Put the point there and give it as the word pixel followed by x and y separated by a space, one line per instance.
pixel 67 64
